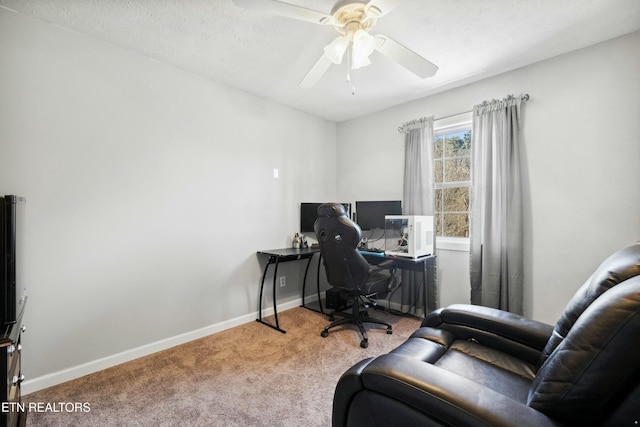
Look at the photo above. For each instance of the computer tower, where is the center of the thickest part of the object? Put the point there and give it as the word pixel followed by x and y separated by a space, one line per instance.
pixel 336 299
pixel 409 236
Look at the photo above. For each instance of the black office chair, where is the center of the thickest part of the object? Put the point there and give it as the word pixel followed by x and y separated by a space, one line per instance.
pixel 347 269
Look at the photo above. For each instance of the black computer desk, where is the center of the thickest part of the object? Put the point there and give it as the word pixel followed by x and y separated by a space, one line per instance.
pixel 425 265
pixel 276 256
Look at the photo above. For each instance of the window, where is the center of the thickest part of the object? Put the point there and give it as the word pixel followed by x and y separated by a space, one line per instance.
pixel 452 173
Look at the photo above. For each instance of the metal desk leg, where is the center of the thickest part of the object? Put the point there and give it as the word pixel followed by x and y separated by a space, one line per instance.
pixel 424 287
pixel 318 283
pixel 275 310
pixel 264 274
pixel 304 285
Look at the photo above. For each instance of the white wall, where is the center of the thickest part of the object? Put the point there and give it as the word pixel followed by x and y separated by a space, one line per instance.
pixel 581 156
pixel 149 191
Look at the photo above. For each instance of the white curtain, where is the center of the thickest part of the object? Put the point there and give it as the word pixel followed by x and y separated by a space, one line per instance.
pixel 418 199
pixel 418 167
pixel 496 206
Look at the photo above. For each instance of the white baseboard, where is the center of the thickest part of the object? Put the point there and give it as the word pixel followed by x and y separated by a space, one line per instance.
pixel 49 380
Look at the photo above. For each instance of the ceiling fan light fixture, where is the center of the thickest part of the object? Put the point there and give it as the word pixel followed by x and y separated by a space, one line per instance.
pixel 336 49
pixel 363 45
pixel 360 61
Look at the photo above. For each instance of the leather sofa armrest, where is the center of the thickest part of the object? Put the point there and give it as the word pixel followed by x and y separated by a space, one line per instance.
pixel 350 383
pixel 425 391
pixel 500 329
pixel 503 323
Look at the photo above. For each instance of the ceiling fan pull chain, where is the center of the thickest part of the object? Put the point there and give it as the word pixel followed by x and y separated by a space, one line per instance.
pixel 350 67
pixel 349 61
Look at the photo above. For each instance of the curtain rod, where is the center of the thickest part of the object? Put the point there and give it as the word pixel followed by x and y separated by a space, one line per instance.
pixel 452 115
pixel 412 123
pixel 523 97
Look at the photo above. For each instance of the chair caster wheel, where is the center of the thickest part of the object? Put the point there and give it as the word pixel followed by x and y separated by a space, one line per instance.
pixel 364 343
pixel 389 331
pixel 324 334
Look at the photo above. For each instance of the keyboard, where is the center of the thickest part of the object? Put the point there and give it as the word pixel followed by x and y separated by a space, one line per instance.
pixel 376 252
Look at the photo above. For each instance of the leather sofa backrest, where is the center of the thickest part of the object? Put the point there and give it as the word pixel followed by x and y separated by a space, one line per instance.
pixel 597 365
pixel 619 267
pixel 592 361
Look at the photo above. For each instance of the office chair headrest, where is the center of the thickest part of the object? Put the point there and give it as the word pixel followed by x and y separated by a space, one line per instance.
pixel 331 210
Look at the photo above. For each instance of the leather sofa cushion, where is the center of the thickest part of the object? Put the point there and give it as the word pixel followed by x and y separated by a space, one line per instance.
pixel 504 373
pixel 496 370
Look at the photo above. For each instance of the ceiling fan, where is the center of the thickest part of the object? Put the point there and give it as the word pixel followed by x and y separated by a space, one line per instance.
pixel 353 20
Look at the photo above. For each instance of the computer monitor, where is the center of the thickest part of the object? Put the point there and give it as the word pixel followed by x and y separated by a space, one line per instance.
pixel 309 214
pixel 370 214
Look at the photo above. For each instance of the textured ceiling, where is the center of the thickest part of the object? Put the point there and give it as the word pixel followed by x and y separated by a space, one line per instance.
pixel 269 55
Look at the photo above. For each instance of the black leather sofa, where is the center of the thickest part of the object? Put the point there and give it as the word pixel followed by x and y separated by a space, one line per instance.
pixel 476 366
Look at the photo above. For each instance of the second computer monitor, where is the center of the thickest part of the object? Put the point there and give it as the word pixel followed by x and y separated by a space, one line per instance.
pixel 370 214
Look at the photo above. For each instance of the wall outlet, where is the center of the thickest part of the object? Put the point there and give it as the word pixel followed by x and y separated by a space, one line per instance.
pixel 283 281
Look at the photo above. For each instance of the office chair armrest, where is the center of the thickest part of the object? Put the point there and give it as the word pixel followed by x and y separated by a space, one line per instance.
pixel 396 390
pixel 512 333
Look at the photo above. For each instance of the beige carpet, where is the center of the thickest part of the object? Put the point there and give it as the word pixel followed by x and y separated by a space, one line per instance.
pixel 250 375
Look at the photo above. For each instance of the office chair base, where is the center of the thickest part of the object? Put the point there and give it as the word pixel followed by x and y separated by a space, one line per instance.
pixel 332 315
pixel 357 320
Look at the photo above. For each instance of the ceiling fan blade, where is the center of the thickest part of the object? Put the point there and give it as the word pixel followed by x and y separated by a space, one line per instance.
pixel 275 7
pixel 316 72
pixel 379 8
pixel 405 57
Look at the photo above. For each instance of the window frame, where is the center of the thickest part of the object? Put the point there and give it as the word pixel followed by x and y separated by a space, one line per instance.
pixel 442 127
